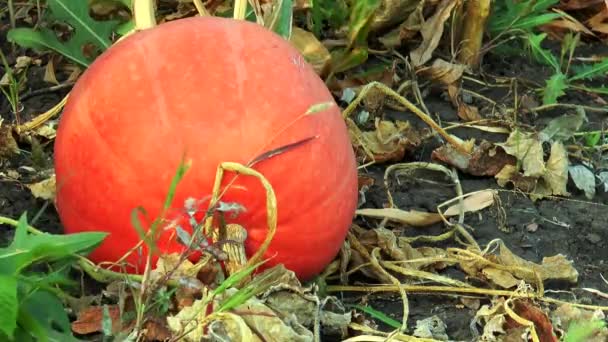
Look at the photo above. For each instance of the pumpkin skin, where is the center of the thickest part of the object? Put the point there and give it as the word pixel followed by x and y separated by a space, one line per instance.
pixel 211 90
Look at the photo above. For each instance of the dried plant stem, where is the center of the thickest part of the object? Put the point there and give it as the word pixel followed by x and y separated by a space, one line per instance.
pixel 407 104
pixel 477 12
pixel 271 204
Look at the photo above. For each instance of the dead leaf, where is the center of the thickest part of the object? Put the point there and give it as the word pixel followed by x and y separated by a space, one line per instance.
pixel 510 174
pixel 566 315
pixel 578 4
pixel 598 22
pixel 389 142
pixel 179 269
pixel 445 72
pixel 90 320
pixel 409 217
pixel 527 148
pixel 500 277
pixel 406 30
pixel 431 31
pixel 314 52
pixel 556 174
pixel 552 268
pixel 486 159
pixel 475 202
pixel 392 12
pixel 431 328
pixel 49 73
pixel 527 310
pixel 44 189
pixel 8 144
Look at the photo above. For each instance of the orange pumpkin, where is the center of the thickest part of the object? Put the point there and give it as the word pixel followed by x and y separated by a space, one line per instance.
pixel 214 90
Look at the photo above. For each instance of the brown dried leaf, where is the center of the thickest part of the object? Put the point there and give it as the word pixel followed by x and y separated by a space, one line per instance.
pixel 170 263
pixel 44 189
pixel 473 203
pixel 510 174
pixel 431 31
pixel 500 277
pixel 485 159
pixel 315 53
pixel 527 148
pixel 598 22
pixel 389 142
pixel 8 145
pixel 578 4
pixel 445 72
pixel 49 73
pixel 89 320
pixel 556 267
pixel 465 112
pixel 392 12
pixel 409 217
pixel 556 175
pixel 527 310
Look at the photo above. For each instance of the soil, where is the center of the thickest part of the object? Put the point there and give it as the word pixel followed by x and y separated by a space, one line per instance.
pixel 574 226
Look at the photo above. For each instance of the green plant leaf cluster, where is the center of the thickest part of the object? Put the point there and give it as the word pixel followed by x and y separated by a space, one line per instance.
pixel 520 15
pixel 563 76
pixel 86 31
pixel 30 300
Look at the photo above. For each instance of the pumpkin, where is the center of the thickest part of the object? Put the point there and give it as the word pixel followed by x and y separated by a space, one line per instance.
pixel 211 90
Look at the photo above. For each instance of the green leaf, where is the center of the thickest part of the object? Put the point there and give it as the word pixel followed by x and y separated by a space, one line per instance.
pixel 43 316
pixel 361 16
pixel 86 30
pixel 542 55
pixel 580 331
pixel 589 72
pixel 522 15
pixel 9 305
pixel 333 12
pixel 27 249
pixel 281 18
pixel 554 88
pixel 348 59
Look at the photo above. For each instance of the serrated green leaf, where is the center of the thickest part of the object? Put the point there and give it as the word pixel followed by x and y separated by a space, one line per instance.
pixel 541 54
pixel 590 71
pixel 9 304
pixel 522 15
pixel 86 30
pixel 554 88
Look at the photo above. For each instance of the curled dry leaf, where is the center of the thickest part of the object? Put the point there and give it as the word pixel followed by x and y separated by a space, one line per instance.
pixel 445 72
pixel 303 307
pixel 44 189
pixel 391 12
pixel 8 145
pixel 527 148
pixel 89 320
pixel 553 180
pixel 473 203
pixel 529 311
pixel 170 263
pixel 388 142
pixel 315 53
pixel 599 22
pixel 465 112
pixel 485 159
pixel 552 268
pixel 431 31
pixel 268 325
pixel 407 29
